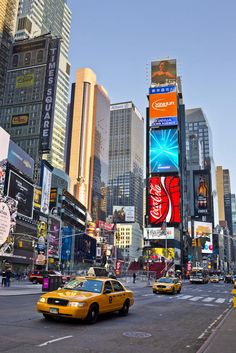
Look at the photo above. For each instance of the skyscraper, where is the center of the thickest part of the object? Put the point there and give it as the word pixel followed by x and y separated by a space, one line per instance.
pixel 37 18
pixel 126 158
pixel 8 13
pixel 87 154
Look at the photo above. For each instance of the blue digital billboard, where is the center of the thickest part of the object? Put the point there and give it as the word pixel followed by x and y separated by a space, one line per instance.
pixel 164 150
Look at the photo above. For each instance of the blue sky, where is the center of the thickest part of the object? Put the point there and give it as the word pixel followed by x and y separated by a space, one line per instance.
pixel 119 38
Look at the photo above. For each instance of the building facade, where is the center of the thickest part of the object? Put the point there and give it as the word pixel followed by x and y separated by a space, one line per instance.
pixel 130 241
pixel 36 18
pixel 8 13
pixel 87 151
pixel 126 159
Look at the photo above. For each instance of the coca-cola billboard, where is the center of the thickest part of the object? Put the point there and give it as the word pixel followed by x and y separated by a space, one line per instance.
pixel 164 200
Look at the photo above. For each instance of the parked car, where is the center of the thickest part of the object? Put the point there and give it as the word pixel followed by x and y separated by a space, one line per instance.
pixel 37 276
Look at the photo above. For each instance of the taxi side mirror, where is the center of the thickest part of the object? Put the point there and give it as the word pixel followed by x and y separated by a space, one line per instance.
pixel 107 291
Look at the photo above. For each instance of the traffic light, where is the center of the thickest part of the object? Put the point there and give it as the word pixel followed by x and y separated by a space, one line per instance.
pixel 20 244
pixel 194 242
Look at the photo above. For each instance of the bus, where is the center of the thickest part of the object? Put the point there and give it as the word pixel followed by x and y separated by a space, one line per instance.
pixel 199 275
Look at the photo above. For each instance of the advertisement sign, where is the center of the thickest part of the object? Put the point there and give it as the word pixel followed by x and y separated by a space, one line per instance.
pixel 20 159
pixel 5 140
pixel 22 191
pixel 163 109
pixel 106 226
pixel 25 81
pixel 164 200
pixel 164 150
pixel 5 222
pixel 86 248
pixel 204 230
pixel 123 214
pixel 163 72
pixel 121 106
pixel 3 169
pixel 37 198
pixel 66 249
pixel 54 238
pixel 159 233
pixel 168 253
pixel 202 192
pixel 49 96
pixel 46 181
pixel 19 120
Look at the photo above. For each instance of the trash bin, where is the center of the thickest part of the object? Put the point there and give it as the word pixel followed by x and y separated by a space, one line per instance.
pixel 234 294
pixel 51 283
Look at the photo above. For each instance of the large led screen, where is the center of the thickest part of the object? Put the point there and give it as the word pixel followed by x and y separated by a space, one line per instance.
pixel 164 200
pixel 163 72
pixel 202 192
pixel 203 230
pixel 163 109
pixel 164 150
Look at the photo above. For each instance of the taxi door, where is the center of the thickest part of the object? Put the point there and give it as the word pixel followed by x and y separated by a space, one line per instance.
pixel 107 302
pixel 119 294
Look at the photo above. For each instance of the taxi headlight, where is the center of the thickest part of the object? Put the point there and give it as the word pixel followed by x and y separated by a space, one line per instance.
pixel 43 300
pixel 78 304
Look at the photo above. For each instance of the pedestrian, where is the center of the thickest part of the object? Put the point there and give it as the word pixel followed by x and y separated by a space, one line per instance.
pixel 4 278
pixel 8 277
pixel 134 277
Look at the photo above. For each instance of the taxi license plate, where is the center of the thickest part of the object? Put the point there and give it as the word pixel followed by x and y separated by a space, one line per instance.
pixel 53 310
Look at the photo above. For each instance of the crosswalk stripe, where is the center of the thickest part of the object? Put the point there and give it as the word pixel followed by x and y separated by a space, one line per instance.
pixel 220 300
pixel 208 299
pixel 185 297
pixel 195 299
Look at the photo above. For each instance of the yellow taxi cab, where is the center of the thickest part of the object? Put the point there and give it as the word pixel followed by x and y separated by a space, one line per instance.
pixel 85 298
pixel 170 285
pixel 214 279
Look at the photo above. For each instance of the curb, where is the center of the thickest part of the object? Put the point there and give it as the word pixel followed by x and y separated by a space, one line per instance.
pixel 206 344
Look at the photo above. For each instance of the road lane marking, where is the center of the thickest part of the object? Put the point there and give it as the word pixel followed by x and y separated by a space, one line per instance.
pixel 220 300
pixel 195 299
pixel 208 299
pixel 209 304
pixel 55 340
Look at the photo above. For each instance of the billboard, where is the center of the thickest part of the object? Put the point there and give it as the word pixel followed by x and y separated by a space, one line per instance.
pixel 163 109
pixel 49 96
pixel 159 233
pixel 164 200
pixel 22 191
pixel 202 192
pixel 25 81
pixel 164 151
pixel 168 253
pixel 46 180
pixel 204 230
pixel 37 198
pixel 20 159
pixel 66 249
pixel 5 139
pixel 5 222
pixel 122 214
pixel 19 120
pixel 163 72
pixel 54 238
pixel 3 170
pixel 8 207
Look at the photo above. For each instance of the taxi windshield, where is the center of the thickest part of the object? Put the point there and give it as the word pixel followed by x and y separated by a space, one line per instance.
pixel 166 280
pixel 85 285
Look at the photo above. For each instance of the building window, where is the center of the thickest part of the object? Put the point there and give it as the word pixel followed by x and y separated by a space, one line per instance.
pixel 15 61
pixel 40 56
pixel 27 58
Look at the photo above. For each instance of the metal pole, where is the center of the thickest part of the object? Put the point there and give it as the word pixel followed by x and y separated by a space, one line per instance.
pixel 166 252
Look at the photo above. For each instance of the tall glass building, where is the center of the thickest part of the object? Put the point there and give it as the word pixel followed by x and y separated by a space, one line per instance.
pixel 88 143
pixel 8 13
pixel 126 159
pixel 36 18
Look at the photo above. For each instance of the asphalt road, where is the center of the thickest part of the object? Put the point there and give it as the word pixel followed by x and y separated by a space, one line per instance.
pixel 156 323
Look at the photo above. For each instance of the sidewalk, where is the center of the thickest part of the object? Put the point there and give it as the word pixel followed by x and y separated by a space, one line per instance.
pixel 223 339
pixel 21 288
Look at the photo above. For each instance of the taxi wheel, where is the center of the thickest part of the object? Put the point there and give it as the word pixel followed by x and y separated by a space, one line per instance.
pixel 92 314
pixel 154 291
pixel 178 291
pixel 125 309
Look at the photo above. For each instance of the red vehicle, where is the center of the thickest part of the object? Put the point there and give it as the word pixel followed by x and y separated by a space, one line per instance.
pixel 37 276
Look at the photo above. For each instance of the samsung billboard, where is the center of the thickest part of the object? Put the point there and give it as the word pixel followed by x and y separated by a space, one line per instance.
pixel 20 159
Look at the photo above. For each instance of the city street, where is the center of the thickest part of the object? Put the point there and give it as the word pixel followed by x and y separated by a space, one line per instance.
pixel 156 323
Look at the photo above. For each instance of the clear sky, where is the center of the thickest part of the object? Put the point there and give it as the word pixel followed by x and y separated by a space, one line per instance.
pixel 119 38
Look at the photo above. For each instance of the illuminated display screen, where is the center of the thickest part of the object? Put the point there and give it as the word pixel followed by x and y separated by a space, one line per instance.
pixel 164 151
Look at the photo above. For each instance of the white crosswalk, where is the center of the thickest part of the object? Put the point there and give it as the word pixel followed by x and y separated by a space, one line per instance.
pixel 206 300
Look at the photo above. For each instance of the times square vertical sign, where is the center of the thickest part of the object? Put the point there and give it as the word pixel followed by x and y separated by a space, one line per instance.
pixel 49 96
